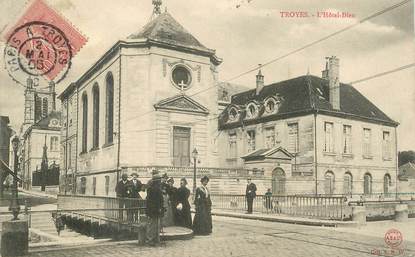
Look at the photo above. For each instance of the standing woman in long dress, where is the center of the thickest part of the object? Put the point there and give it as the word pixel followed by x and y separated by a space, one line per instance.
pixel 184 217
pixel 168 218
pixel 202 223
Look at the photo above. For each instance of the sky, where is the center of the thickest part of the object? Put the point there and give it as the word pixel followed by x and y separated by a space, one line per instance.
pixel 246 33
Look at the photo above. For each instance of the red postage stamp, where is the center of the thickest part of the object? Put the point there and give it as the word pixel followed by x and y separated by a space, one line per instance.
pixel 41 43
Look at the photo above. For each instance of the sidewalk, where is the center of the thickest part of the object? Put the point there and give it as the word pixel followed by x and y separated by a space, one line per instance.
pixel 36 193
pixel 379 228
pixel 285 219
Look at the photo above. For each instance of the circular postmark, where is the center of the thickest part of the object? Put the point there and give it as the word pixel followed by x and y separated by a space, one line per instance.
pixel 37 49
pixel 393 238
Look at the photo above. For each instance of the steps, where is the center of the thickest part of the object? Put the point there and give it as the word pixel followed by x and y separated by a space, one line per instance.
pixel 44 222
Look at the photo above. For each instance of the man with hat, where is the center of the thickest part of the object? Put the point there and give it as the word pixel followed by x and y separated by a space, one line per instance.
pixel 135 186
pixel 154 210
pixel 122 192
pixel 250 194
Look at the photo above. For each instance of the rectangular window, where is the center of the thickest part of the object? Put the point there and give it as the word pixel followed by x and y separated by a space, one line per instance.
pixel 54 143
pixel 367 144
pixel 82 188
pixel 232 146
pixel 386 145
pixel 293 138
pixel 347 139
pixel 251 140
pixel 64 157
pixel 270 137
pixel 94 186
pixel 107 185
pixel 69 155
pixel 328 137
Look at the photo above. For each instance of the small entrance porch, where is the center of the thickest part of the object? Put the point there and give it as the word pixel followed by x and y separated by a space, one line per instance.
pixel 276 165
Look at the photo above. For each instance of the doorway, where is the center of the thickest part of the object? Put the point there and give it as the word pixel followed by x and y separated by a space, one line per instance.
pixel 181 146
pixel 278 181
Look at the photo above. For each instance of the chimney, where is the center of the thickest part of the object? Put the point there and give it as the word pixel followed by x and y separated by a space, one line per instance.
pixel 259 81
pixel 331 73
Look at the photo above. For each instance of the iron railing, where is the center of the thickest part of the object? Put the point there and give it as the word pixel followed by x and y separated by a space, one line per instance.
pixel 124 210
pixel 321 207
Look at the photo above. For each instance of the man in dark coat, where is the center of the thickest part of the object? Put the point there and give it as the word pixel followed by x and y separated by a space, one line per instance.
pixel 135 186
pixel 250 194
pixel 154 210
pixel 122 191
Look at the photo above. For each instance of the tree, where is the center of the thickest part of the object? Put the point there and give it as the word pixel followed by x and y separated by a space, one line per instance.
pixel 406 156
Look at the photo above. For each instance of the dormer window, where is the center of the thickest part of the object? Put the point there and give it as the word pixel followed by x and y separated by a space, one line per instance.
pixel 233 114
pixel 271 105
pixel 251 110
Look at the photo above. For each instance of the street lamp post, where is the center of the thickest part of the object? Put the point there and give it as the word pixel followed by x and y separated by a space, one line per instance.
pixel 194 155
pixel 14 204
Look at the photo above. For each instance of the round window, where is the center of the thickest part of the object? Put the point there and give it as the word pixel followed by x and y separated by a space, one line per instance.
pixel 181 77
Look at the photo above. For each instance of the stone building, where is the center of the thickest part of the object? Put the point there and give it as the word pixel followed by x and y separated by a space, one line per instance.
pixel 5 134
pixel 138 107
pixel 311 134
pixel 154 97
pixel 41 126
pixel 5 149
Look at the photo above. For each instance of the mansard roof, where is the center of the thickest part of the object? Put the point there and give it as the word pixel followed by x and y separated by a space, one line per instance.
pixel 304 95
pixel 181 103
pixel 406 171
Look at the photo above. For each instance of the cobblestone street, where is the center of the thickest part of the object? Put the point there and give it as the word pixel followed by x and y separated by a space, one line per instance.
pixel 237 237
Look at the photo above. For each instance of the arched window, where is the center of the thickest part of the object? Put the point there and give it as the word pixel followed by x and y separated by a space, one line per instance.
pixel 44 107
pixel 329 182
pixel 347 183
pixel 278 181
pixel 386 183
pixel 95 116
pixel 109 112
pixel 84 122
pixel 367 184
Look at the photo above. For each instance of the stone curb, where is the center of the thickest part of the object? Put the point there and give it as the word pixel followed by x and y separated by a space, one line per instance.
pixel 299 221
pixel 53 246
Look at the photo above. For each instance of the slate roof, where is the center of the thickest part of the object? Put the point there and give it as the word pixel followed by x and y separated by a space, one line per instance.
pixel 44 123
pixel 166 29
pixel 406 171
pixel 304 95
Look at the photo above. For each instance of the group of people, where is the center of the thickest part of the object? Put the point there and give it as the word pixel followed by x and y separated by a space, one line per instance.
pixel 166 204
pixel 128 192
